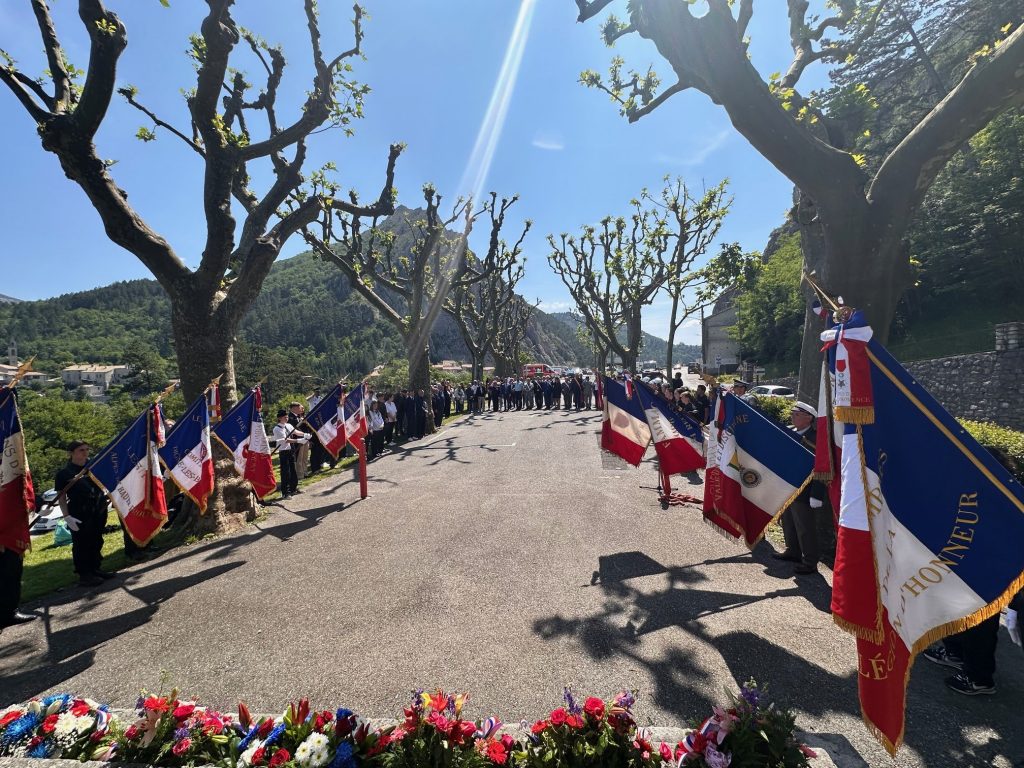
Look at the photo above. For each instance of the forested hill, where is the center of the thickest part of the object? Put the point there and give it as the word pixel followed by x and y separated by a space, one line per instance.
pixel 652 347
pixel 306 308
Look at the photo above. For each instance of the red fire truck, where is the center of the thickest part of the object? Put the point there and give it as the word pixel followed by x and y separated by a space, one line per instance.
pixel 537 369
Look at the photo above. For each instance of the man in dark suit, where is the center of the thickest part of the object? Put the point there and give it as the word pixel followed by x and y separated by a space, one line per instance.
pixel 799 522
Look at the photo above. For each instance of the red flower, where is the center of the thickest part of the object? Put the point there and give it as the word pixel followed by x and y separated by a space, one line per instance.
pixel 35 742
pixel 462 730
pixel 539 726
pixel 281 756
pixel 808 752
pixel 265 728
pixel 183 711
pixel 96 737
pixel 259 755
pixel 132 732
pixel 80 708
pixel 558 716
pixel 181 747
pixel 594 707
pixel 574 721
pixel 644 746
pixel 507 741
pixel 497 753
pixel 412 719
pixel 318 722
pixel 50 723
pixel 212 726
pixel 699 742
pixel 440 722
pixel 666 752
pixel 244 718
pixel 9 718
pixel 156 704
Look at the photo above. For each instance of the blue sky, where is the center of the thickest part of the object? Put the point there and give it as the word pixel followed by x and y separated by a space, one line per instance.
pixel 433 67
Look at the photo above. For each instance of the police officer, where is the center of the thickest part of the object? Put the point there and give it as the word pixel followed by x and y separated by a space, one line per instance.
pixel 84 507
pixel 739 388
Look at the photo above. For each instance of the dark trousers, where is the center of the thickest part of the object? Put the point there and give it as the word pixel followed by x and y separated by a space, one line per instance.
pixel 375 445
pixel 458 406
pixel 389 431
pixel 11 566
pixel 87 541
pixel 799 526
pixel 977 647
pixel 289 477
pixel 317 455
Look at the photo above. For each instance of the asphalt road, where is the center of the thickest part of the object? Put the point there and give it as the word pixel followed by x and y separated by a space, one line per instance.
pixel 505 556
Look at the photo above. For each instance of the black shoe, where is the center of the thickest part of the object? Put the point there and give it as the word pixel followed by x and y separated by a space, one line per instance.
pixel 939 655
pixel 103 575
pixel 297 490
pixel 17 618
pixel 90 581
pixel 963 684
pixel 787 556
pixel 804 570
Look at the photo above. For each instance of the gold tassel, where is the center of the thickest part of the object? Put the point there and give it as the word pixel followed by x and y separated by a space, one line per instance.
pixel 855 415
pixel 875 636
pixel 825 477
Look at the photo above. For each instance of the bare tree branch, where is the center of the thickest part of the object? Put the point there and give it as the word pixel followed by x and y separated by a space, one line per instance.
pixel 108 38
pixel 62 95
pixel 129 95
pixel 13 80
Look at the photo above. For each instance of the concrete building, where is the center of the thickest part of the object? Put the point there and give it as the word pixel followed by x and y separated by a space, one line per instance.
pixel 719 351
pixel 96 378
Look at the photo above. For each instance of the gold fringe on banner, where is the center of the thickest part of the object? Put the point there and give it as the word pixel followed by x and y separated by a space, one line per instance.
pixel 849 414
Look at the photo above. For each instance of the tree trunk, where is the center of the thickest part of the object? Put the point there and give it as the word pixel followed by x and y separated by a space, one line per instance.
pixel 633 338
pixel 419 377
pixel 671 336
pixel 868 269
pixel 503 367
pixel 205 350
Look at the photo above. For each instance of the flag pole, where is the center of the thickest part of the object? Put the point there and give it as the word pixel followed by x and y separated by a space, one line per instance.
pixel 363 493
pixel 22 370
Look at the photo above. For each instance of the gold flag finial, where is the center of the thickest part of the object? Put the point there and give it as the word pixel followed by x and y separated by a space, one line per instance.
pixel 22 370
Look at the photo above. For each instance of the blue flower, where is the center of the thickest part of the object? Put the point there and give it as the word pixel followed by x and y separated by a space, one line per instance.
pixel 21 728
pixel 343 714
pixel 570 702
pixel 244 743
pixel 274 734
pixel 42 749
pixel 344 758
pixel 181 733
pixel 63 698
pixel 751 695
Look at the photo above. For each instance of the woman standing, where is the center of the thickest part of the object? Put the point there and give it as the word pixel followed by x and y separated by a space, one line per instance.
pixel 376 445
pixel 390 418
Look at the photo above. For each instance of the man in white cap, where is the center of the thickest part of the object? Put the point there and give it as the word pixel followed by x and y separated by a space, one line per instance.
pixel 798 522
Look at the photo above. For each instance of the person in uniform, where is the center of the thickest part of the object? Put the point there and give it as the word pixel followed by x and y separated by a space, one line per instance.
pixel 740 389
pixel 84 507
pixel 799 524
pixel 287 437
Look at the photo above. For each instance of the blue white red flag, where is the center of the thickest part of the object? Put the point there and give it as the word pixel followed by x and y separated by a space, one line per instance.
pixel 760 469
pixel 354 415
pixel 678 440
pixel 128 471
pixel 17 498
pixel 186 453
pixel 624 431
pixel 327 420
pixel 243 434
pixel 930 523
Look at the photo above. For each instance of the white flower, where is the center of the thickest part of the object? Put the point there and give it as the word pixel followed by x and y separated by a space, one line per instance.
pixel 246 757
pixel 66 726
pixel 312 753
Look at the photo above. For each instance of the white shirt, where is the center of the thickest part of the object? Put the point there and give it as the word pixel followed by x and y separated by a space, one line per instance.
pixel 281 434
pixel 376 421
pixel 392 410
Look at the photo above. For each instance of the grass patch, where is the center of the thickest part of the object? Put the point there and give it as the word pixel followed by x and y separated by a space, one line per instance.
pixel 49 568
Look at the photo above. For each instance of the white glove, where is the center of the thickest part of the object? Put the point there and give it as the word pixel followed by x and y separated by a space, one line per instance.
pixel 1013 627
pixel 73 522
pixel 816 503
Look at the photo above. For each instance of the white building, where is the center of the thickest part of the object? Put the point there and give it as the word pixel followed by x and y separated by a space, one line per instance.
pixel 95 378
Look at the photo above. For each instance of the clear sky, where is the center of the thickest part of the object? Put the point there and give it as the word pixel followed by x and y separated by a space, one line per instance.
pixel 435 67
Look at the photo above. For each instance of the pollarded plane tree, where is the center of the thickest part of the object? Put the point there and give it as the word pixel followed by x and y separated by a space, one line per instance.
pixel 512 320
pixel 476 307
pixel 408 269
pixel 854 214
pixel 208 302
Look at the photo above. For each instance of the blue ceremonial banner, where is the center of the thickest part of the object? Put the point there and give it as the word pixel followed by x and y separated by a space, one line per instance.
pixel 186 453
pixel 678 439
pixel 930 524
pixel 624 431
pixel 325 419
pixel 243 434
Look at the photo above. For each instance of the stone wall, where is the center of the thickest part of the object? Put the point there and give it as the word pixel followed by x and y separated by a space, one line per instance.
pixel 984 386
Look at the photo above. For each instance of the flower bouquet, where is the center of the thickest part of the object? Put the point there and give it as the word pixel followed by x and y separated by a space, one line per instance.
pixel 597 734
pixel 434 734
pixel 58 726
pixel 303 738
pixel 751 733
pixel 172 732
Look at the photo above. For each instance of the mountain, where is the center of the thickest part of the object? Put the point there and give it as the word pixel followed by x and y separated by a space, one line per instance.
pixel 651 347
pixel 306 307
pixel 8 299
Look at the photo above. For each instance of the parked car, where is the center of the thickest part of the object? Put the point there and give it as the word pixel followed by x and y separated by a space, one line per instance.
pixel 46 522
pixel 773 390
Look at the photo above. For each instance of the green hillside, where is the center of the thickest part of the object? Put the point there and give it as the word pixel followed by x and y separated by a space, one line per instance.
pixel 306 308
pixel 651 348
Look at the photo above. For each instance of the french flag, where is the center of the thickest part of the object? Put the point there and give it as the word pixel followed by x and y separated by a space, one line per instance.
pixel 327 420
pixel 128 471
pixel 17 498
pixel 624 431
pixel 354 415
pixel 678 440
pixel 930 528
pixel 187 456
pixel 762 469
pixel 243 434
